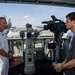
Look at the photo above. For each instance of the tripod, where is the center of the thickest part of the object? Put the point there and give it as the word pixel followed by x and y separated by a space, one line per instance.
pixel 58 57
pixel 58 41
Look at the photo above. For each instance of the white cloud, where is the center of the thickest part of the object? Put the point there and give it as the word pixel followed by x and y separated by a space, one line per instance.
pixel 27 16
pixel 32 20
pixel 28 19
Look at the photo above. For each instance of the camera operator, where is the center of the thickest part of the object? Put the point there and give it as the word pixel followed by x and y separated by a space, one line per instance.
pixel 68 65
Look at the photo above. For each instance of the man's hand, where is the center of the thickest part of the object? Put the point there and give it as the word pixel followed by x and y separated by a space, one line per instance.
pixel 58 67
pixel 10 55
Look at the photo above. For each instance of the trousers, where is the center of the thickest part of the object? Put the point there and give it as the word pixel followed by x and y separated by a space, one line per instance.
pixel 4 65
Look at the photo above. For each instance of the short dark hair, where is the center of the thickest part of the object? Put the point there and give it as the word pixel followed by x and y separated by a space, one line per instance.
pixel 2 18
pixel 71 16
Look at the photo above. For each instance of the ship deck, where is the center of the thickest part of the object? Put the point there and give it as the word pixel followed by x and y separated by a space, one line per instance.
pixel 43 67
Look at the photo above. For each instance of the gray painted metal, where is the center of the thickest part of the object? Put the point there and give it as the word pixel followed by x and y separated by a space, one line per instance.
pixel 66 3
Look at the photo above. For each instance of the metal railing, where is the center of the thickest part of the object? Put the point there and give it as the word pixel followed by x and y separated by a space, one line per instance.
pixel 40 46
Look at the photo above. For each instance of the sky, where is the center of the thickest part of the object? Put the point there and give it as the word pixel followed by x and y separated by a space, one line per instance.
pixel 21 14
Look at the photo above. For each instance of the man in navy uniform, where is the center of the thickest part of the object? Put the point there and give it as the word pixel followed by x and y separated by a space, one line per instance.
pixel 4 50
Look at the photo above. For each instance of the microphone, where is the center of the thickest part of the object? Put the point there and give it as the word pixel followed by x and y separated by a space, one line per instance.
pixel 54 64
pixel 45 22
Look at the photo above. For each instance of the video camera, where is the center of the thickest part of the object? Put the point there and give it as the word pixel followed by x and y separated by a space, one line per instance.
pixel 55 25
